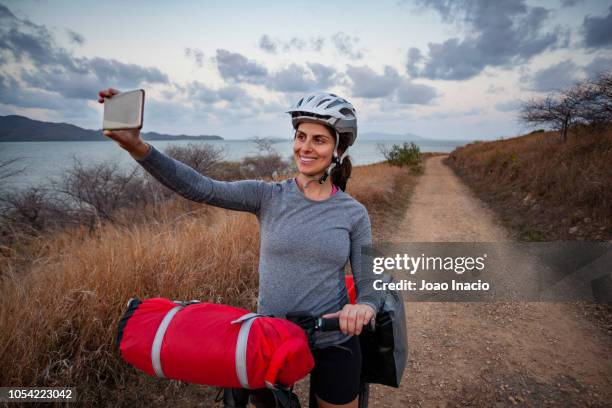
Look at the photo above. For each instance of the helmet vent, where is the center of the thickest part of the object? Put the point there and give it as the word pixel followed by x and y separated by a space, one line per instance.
pixel 300 102
pixel 322 102
pixel 346 111
pixel 335 103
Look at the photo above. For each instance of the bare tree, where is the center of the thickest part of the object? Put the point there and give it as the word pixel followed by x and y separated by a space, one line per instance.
pixel 7 167
pixel 267 163
pixel 553 110
pixel 595 99
pixel 34 211
pixel 264 166
pixel 202 157
pixel 102 188
pixel 264 145
pixel 588 102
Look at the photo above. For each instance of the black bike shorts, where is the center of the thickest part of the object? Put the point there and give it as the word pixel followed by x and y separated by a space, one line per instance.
pixel 336 375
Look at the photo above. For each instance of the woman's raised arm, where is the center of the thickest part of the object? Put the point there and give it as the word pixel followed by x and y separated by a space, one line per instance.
pixel 246 195
pixel 243 195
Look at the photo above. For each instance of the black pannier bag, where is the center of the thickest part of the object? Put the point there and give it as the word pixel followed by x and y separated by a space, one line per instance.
pixel 385 349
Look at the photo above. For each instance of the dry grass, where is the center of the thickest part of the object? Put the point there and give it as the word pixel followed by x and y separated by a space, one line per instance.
pixel 542 188
pixel 59 309
pixel 382 190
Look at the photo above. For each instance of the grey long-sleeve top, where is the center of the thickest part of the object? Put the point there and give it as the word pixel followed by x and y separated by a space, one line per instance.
pixel 304 244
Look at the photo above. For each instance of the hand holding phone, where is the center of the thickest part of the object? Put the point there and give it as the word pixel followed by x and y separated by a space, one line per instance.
pixel 125 128
pixel 124 111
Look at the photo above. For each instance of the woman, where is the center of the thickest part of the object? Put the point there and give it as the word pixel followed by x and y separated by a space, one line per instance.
pixel 309 229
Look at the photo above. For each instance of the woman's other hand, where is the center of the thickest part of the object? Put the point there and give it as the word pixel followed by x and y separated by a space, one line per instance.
pixel 353 317
pixel 128 139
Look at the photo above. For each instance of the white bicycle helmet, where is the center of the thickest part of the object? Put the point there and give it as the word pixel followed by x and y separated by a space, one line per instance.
pixel 327 109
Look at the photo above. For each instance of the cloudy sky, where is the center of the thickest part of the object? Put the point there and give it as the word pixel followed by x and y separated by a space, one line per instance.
pixel 447 69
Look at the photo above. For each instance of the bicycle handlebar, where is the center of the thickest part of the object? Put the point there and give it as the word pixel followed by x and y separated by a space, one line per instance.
pixel 312 323
pixel 327 324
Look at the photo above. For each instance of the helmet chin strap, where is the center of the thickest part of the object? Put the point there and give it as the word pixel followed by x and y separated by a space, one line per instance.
pixel 335 160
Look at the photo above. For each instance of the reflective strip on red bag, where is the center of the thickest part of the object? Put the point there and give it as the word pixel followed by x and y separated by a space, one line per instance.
pixel 246 322
pixel 158 341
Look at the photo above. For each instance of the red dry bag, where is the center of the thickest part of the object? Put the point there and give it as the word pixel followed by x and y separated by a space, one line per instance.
pixel 212 344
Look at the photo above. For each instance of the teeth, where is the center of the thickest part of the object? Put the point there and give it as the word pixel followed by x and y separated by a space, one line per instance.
pixel 306 159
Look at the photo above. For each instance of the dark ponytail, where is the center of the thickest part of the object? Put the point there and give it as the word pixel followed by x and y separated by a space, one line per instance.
pixel 342 172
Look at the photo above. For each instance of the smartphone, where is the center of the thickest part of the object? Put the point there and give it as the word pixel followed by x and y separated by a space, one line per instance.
pixel 124 110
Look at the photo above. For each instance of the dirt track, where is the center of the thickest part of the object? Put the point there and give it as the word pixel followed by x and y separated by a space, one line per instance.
pixel 490 354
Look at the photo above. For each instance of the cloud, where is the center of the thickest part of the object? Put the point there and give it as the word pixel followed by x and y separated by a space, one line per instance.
pixel 46 66
pixel 200 92
pixel 266 44
pixel 415 56
pixel 317 43
pixel 555 77
pixel 368 84
pixel 61 109
pixel 24 40
pixel 113 70
pixel 5 12
pixel 325 76
pixel 347 46
pixel 165 110
pixel 598 65
pixel 236 67
pixel 95 74
pixel 499 34
pixel 410 93
pixel 273 46
pixel 11 93
pixel 451 115
pixel 570 3
pixel 509 106
pixel 597 30
pixel 75 37
pixel 494 89
pixel 296 78
pixel 229 104
pixel 196 55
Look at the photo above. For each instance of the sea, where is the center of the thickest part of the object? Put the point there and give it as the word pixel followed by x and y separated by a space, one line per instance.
pixel 43 162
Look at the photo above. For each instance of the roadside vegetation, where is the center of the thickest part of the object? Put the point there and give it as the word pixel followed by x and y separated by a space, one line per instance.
pixel 542 189
pixel 68 268
pixel 556 184
pixel 406 154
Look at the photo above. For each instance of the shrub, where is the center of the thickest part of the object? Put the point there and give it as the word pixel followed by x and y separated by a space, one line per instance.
pixel 404 155
pixel 202 157
pixel 264 166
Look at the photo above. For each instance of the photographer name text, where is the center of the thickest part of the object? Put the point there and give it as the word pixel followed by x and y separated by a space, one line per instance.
pixel 425 286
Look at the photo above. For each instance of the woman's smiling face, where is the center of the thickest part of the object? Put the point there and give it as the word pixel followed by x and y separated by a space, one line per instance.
pixel 313 148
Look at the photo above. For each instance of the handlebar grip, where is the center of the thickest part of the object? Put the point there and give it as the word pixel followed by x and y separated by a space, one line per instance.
pixel 329 324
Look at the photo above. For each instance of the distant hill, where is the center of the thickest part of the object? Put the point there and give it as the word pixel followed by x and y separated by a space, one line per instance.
pixel 410 137
pixel 390 136
pixel 15 128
